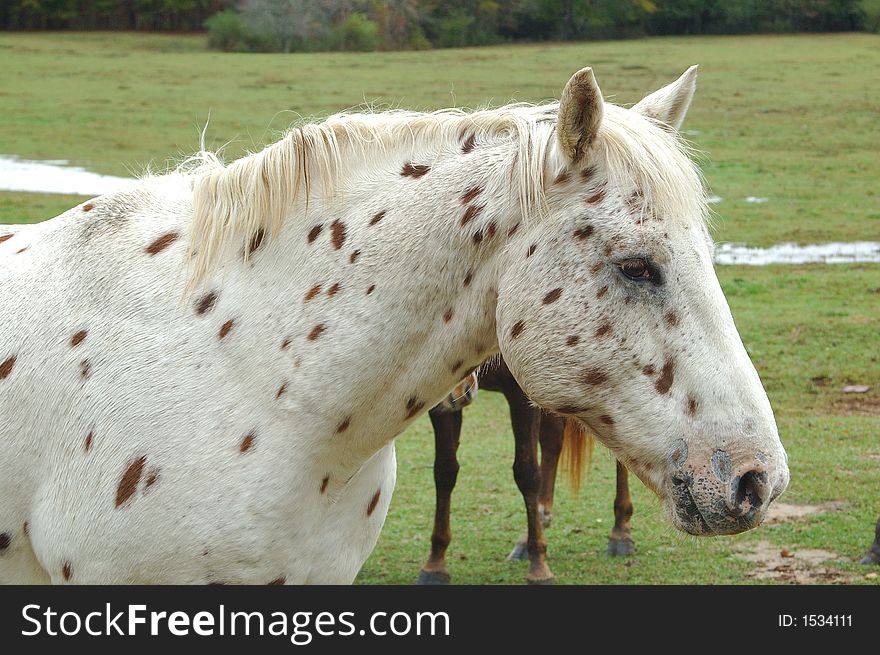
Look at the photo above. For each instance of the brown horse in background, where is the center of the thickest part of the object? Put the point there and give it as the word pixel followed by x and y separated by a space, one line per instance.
pixel 559 438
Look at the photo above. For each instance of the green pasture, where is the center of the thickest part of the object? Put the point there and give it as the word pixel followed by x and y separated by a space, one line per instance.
pixel 789 118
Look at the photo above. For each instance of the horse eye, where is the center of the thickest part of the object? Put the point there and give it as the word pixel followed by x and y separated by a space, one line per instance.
pixel 636 269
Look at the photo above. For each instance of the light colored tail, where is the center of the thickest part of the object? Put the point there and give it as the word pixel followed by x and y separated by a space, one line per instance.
pixel 577 448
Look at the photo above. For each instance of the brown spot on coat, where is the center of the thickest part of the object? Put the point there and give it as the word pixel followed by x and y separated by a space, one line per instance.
pixel 225 328
pixel 256 241
pixel 583 232
pixel 593 377
pixel 468 278
pixel 206 303
pixel 277 581
pixel 603 330
pixel 513 230
pixel 152 478
pixel 89 206
pixel 342 427
pixel 595 268
pixel 692 406
pixel 6 367
pixel 337 234
pixel 588 173
pixel 571 409
pixel 5 540
pixel 324 483
pixel 531 250
pixel 161 243
pixel 470 213
pixel 247 443
pixel 596 197
pixel 26 529
pixel 469 144
pixel 314 232
pixel 78 338
pixel 478 237
pixel 667 375
pixel 371 289
pixel 562 178
pixel 414 170
pixel 671 318
pixel 281 391
pixel 649 369
pixel 373 502
pixel 354 256
pixel 447 315
pixel 66 569
pixel 413 406
pixel 552 296
pixel 491 229
pixel 18 252
pixel 4 237
pixel 332 291
pixel 470 194
pixel 285 344
pixel 377 217
pixel 311 293
pixel 517 329
pixel 85 369
pixel 572 340
pixel 607 420
pixel 129 481
pixel 318 330
pixel 601 293
pixel 89 438
pixel 456 366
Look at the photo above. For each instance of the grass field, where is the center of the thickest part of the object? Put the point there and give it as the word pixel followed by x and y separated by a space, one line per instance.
pixel 789 118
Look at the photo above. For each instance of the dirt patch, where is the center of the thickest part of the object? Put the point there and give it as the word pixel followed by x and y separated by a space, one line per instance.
pixel 794 565
pixel 857 404
pixel 784 512
pixel 802 566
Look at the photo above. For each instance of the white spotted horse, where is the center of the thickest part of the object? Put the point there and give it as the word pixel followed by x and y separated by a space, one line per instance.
pixel 187 368
pixel 536 483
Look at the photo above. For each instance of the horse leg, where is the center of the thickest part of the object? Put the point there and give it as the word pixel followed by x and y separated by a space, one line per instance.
pixel 551 446
pixel 447 432
pixel 620 542
pixel 873 556
pixel 526 422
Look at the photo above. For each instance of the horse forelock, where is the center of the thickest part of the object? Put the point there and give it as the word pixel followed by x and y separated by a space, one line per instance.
pixel 258 192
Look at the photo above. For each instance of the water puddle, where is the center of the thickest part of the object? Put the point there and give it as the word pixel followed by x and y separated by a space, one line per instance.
pixel 54 176
pixel 853 252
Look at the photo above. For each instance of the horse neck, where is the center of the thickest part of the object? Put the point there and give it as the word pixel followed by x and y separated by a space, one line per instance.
pixel 388 295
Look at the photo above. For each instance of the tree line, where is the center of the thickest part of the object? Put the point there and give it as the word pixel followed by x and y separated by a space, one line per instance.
pixel 288 25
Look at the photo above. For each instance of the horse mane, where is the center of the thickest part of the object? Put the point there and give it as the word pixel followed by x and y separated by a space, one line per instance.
pixel 257 193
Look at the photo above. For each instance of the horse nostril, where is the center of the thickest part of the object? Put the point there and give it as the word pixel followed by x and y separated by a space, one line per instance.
pixel 750 491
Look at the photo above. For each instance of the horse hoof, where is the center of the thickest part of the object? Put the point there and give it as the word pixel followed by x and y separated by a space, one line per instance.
pixel 542 581
pixel 871 558
pixel 432 578
pixel 520 553
pixel 621 547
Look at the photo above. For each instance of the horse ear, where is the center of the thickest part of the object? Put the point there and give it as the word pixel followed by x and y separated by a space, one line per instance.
pixel 580 112
pixel 670 104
